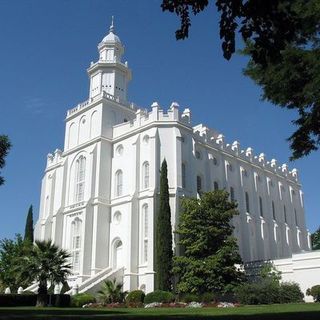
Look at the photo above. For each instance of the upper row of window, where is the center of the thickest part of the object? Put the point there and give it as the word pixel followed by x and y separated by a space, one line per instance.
pixel 119 149
pixel 145 179
pixel 245 174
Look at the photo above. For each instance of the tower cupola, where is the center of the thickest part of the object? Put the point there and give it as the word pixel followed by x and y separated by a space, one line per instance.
pixel 109 73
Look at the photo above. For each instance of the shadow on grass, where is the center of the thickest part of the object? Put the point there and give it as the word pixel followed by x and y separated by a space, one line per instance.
pixel 47 314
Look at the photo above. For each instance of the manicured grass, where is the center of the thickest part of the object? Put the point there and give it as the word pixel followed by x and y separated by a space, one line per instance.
pixel 270 312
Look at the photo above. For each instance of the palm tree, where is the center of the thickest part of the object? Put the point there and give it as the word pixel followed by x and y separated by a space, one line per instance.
pixel 111 292
pixel 45 263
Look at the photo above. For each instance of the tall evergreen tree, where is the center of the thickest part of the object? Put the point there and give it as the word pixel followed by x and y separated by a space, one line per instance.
pixel 28 231
pixel 163 243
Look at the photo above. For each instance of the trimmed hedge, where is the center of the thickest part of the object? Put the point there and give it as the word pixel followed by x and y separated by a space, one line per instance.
pixel 159 296
pixel 59 300
pixel 80 299
pixel 30 300
pixel 17 300
pixel 136 296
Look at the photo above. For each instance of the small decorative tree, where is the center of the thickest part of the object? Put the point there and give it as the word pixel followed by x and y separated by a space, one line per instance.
pixel 111 292
pixel 163 243
pixel 45 263
pixel 11 252
pixel 314 292
pixel 210 250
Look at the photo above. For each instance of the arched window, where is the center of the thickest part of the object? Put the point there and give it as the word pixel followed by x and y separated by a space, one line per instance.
pixel 261 206
pixel 118 258
pixel 145 228
pixel 199 184
pixel 119 183
pixel 80 178
pixel 285 214
pixel 183 175
pixel 247 202
pixel 145 175
pixel 273 211
pixel 76 243
pixel 232 194
pixel 216 185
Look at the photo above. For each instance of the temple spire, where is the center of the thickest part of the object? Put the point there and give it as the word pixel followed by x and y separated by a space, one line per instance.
pixel 110 74
pixel 111 29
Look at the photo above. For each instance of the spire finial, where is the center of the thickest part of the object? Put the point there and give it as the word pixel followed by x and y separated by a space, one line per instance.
pixel 112 25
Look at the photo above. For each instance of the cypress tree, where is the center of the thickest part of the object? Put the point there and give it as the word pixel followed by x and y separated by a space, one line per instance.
pixel 28 231
pixel 163 241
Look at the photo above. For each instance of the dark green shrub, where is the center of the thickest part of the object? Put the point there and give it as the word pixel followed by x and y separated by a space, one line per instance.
pixel 80 299
pixel 207 297
pixel 159 296
pixel 290 292
pixel 17 300
pixel 59 300
pixel 263 292
pixel 190 297
pixel 136 296
pixel 314 292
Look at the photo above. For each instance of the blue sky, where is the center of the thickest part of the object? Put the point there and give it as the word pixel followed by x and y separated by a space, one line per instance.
pixel 46 47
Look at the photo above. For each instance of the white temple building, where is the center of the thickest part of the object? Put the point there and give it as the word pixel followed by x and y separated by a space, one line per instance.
pixel 99 195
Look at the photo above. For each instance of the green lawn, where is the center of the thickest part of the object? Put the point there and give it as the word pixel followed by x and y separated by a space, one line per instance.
pixel 290 311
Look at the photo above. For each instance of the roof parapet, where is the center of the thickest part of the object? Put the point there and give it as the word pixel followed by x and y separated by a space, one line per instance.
pixel 204 134
pixel 54 158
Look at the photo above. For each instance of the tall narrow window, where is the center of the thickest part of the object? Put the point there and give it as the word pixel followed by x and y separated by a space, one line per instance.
pixel 232 194
pixel 145 172
pixel 247 202
pixel 80 178
pixel 183 175
pixel 47 206
pixel 273 211
pixel 145 228
pixel 285 214
pixel 119 183
pixel 216 185
pixel 76 243
pixel 261 206
pixel 199 184
pixel 296 217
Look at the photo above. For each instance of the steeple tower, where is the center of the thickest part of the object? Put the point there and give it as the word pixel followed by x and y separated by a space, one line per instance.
pixel 109 74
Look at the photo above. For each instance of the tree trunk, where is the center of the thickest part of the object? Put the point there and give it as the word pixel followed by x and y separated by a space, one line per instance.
pixel 42 297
